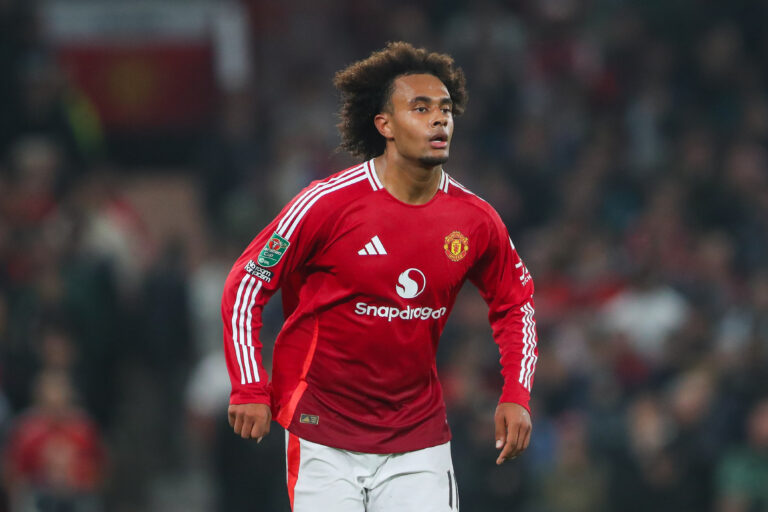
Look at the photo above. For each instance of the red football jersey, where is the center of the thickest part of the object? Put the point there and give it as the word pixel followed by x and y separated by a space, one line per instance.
pixel 368 282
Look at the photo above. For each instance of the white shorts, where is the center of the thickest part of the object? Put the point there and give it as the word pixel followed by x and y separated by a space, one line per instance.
pixel 321 478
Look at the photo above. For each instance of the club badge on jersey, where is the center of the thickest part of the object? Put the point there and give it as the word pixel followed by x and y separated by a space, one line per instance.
pixel 273 251
pixel 456 246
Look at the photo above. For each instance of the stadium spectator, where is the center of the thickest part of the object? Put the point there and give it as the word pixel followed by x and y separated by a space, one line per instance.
pixel 54 457
pixel 744 470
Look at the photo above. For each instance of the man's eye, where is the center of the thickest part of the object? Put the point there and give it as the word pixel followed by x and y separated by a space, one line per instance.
pixel 421 109
pixel 446 110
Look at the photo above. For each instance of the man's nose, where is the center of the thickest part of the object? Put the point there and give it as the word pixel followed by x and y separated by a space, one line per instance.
pixel 440 119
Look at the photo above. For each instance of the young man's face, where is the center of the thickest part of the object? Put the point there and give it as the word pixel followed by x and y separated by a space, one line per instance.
pixel 420 121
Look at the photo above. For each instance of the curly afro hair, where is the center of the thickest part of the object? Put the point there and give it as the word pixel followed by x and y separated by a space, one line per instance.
pixel 366 88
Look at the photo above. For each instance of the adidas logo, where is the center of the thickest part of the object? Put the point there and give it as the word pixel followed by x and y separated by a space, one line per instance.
pixel 373 248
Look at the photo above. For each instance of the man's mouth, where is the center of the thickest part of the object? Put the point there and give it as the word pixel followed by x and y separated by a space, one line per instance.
pixel 439 141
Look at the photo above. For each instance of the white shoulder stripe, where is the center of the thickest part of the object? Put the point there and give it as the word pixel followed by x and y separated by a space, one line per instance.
pixel 308 194
pixel 459 185
pixel 303 212
pixel 368 173
pixel 307 197
pixel 464 189
pixel 372 170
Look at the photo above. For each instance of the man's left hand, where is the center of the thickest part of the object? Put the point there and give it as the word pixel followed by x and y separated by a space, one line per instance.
pixel 513 430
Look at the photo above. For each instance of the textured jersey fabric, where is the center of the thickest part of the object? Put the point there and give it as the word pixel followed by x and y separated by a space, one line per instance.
pixel 367 284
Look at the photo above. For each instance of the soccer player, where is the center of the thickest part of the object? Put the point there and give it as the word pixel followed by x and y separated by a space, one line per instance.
pixel 370 261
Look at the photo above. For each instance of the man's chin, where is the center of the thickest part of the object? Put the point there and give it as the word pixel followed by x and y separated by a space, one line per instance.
pixel 433 161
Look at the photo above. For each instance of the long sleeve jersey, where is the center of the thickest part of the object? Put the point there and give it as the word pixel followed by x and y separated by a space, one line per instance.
pixel 367 285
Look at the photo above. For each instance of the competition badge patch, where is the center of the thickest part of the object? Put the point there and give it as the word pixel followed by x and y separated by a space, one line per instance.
pixel 273 251
pixel 456 246
pixel 309 419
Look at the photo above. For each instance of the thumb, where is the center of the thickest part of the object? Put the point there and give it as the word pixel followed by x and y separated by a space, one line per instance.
pixel 501 431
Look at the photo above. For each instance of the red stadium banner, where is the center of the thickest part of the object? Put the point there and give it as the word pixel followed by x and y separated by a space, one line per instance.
pixel 153 85
pixel 149 63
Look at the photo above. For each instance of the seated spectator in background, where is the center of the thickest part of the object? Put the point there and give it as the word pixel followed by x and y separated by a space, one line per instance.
pixel 743 473
pixel 647 312
pixel 54 456
pixel 700 428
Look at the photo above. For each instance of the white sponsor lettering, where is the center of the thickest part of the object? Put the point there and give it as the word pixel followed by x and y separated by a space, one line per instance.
pixel 256 271
pixel 525 276
pixel 409 313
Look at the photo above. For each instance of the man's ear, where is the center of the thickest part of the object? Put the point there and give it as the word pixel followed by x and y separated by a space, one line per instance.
pixel 382 124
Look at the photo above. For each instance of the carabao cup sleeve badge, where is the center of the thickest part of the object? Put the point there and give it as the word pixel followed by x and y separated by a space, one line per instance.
pixel 273 251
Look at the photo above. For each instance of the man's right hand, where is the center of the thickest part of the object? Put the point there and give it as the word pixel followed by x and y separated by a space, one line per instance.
pixel 250 421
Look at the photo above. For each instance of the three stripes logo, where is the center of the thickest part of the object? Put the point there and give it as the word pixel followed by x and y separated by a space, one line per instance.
pixel 528 363
pixel 373 248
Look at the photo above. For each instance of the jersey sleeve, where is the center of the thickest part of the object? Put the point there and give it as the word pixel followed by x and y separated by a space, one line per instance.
pixel 507 287
pixel 277 252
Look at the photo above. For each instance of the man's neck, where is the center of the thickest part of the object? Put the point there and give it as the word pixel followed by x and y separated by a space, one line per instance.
pixel 408 182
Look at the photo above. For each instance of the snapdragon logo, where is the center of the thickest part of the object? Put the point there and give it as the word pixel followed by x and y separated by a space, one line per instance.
pixel 409 313
pixel 411 283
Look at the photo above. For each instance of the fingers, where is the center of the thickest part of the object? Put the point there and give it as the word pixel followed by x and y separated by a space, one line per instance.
pixel 231 415
pixel 521 435
pixel 247 426
pixel 250 421
pixel 513 431
pixel 504 455
pixel 526 429
pixel 501 430
pixel 238 423
pixel 510 447
pixel 259 430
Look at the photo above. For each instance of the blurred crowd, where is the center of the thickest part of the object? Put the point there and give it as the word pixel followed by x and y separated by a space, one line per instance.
pixel 625 145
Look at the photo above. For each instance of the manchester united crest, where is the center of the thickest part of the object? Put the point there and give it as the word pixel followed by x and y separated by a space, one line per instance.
pixel 456 246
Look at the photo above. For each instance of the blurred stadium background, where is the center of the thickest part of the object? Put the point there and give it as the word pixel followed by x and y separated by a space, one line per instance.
pixel 144 142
